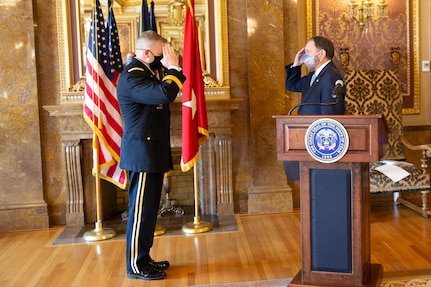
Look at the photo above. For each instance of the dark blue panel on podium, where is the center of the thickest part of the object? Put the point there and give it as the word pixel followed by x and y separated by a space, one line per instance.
pixel 331 230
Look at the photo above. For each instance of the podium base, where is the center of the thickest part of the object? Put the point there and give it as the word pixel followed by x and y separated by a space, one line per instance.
pixel 374 280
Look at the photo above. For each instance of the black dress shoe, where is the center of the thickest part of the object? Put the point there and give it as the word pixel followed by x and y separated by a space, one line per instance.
pixel 161 265
pixel 148 274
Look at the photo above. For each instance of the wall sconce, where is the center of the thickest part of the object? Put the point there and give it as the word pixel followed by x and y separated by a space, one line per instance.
pixel 364 10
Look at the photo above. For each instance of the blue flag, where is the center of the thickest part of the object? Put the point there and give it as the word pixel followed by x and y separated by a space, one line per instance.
pixel 152 17
pixel 144 19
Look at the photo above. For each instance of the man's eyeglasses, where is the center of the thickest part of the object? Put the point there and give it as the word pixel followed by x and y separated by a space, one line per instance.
pixel 148 50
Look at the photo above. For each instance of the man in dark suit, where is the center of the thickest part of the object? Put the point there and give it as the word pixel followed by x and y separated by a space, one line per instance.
pixel 144 100
pixel 317 86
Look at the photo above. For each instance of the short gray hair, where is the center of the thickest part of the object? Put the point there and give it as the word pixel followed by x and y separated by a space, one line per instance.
pixel 148 38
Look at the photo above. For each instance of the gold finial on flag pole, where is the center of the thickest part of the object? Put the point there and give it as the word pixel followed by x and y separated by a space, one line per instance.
pixel 197 226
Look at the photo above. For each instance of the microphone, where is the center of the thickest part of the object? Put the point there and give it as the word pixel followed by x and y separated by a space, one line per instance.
pixel 338 85
pixel 335 94
pixel 317 104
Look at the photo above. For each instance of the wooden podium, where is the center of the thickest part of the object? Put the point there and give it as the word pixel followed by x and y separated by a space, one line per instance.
pixel 334 198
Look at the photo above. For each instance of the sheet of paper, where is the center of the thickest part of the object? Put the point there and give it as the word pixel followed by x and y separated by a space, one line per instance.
pixel 396 162
pixel 394 172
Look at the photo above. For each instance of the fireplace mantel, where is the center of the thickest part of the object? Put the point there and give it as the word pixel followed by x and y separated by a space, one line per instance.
pixel 218 172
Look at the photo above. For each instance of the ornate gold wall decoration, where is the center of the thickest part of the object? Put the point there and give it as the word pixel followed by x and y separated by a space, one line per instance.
pixel 72 16
pixel 177 11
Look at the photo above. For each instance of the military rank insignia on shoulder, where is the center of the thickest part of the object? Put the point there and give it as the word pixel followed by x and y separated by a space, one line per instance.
pixel 135 69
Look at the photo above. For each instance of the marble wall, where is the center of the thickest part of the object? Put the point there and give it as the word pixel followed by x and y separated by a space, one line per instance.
pixel 269 191
pixel 22 204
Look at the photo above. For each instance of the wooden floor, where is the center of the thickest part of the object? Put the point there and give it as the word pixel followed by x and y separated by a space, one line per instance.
pixel 265 247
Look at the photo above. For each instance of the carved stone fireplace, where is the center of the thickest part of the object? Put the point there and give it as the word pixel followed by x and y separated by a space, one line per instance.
pixel 214 168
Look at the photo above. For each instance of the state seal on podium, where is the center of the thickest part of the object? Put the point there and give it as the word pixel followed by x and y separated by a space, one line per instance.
pixel 326 140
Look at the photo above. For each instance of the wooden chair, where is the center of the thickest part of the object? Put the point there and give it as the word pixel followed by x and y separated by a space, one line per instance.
pixel 378 92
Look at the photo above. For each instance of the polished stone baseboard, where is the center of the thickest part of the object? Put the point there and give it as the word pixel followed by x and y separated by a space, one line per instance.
pixel 270 199
pixel 24 217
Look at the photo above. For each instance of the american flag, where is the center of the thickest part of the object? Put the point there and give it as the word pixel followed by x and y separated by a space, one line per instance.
pixel 114 45
pixel 101 109
pixel 194 112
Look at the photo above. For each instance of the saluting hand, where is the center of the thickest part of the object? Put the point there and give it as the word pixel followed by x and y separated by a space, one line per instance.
pixel 170 56
pixel 298 57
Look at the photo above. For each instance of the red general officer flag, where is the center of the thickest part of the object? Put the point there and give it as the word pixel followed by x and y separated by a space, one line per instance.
pixel 194 112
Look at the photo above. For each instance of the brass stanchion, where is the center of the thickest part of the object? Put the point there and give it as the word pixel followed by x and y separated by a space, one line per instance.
pixel 160 230
pixel 197 226
pixel 98 233
pixel 168 205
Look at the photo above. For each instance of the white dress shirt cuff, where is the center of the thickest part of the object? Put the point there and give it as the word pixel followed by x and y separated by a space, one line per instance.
pixel 175 68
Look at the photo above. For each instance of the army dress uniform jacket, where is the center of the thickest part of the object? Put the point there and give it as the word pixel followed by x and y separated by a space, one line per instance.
pixel 144 103
pixel 319 92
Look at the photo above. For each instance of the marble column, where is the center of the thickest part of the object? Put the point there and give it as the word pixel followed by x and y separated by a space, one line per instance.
pixel 22 204
pixel 269 191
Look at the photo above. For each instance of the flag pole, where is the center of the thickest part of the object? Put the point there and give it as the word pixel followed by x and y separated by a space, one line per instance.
pixel 194 112
pixel 98 233
pixel 94 70
pixel 197 226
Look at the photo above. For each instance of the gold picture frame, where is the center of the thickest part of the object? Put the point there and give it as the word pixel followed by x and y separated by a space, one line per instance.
pixel 127 34
pixel 71 32
pixel 382 36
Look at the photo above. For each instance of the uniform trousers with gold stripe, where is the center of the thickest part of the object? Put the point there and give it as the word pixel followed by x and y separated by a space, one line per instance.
pixel 144 199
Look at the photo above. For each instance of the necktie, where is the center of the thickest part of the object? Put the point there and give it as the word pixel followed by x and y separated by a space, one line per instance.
pixel 312 79
pixel 156 73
